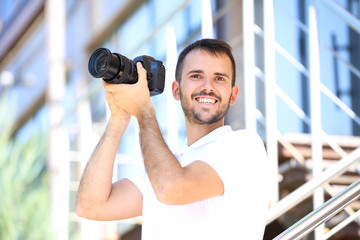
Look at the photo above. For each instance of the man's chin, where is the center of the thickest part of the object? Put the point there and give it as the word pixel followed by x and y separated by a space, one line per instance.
pixel 207 120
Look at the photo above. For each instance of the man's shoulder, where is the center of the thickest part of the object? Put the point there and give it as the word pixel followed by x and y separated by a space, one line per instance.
pixel 241 135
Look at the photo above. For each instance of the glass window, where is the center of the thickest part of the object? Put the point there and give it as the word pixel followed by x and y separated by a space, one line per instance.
pixel 29 70
pixel 291 34
pixel 38 123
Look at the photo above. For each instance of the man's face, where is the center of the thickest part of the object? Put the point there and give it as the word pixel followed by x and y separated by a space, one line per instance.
pixel 205 88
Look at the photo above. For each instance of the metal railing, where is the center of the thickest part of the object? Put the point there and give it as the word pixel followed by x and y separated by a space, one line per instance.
pixel 267 118
pixel 322 214
pixel 308 188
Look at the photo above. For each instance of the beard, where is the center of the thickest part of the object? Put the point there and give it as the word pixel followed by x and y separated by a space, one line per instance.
pixel 201 117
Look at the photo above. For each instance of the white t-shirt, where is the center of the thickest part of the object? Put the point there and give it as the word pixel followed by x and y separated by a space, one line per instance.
pixel 240 160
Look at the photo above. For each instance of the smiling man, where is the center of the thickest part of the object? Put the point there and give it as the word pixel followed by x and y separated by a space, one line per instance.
pixel 215 189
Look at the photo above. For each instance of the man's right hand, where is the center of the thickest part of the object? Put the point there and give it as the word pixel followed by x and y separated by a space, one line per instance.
pixel 116 110
pixel 132 98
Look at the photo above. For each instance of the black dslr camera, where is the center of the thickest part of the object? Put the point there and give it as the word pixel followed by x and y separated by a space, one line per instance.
pixel 116 68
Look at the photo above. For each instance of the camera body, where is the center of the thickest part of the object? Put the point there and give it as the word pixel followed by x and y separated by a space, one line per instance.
pixel 116 68
pixel 155 72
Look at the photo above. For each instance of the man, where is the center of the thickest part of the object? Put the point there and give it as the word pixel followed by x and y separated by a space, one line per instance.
pixel 215 189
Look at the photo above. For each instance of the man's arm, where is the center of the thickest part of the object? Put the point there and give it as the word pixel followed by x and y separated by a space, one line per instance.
pixel 173 184
pixel 98 198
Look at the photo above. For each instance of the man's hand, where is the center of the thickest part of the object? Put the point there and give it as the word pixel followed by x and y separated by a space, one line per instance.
pixel 129 98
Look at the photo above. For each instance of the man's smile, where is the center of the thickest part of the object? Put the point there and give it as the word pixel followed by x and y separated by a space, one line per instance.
pixel 206 100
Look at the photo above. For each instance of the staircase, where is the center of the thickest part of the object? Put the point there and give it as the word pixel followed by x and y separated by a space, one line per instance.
pixel 318 160
pixel 338 174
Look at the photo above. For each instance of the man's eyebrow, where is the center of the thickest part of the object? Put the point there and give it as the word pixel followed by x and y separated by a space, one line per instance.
pixel 215 73
pixel 195 71
pixel 222 74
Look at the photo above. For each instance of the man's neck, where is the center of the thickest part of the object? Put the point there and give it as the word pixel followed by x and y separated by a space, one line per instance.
pixel 196 131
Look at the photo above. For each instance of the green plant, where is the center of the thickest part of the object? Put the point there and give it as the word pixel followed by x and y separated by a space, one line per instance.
pixel 24 200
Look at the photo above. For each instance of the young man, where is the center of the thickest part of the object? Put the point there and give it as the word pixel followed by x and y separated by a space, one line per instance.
pixel 215 189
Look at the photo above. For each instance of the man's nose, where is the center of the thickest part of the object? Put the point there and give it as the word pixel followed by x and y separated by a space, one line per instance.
pixel 208 84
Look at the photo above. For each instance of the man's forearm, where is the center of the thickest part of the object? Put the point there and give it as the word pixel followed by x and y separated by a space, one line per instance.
pixel 161 165
pixel 96 182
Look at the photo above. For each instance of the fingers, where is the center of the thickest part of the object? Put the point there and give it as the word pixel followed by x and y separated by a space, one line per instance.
pixel 116 87
pixel 141 72
pixel 121 97
pixel 111 87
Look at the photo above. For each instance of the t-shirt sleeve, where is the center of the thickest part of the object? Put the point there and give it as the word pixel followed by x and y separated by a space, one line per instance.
pixel 242 164
pixel 240 160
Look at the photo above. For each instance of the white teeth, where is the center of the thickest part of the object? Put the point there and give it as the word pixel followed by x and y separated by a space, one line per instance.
pixel 206 100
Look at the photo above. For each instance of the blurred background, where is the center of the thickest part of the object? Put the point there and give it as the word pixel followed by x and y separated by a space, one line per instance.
pixel 298 69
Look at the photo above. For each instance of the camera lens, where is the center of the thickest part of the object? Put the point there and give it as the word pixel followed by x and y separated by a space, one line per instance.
pixel 118 69
pixel 104 64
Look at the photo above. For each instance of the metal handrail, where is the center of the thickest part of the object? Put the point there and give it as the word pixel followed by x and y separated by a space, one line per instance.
pixel 322 214
pixel 308 188
pixel 322 178
pixel 340 104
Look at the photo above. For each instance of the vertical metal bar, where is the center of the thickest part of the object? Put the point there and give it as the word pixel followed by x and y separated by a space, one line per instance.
pixel 249 64
pixel 58 151
pixel 270 95
pixel 315 109
pixel 206 20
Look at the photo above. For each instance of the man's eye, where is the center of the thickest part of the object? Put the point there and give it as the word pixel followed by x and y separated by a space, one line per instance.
pixel 195 76
pixel 220 79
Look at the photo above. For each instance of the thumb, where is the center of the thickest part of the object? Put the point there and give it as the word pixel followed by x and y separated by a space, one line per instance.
pixel 141 72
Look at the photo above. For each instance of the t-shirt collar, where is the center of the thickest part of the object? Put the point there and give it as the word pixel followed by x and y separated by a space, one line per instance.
pixel 210 137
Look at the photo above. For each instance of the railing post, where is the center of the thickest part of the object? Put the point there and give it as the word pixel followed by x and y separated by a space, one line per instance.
pixel 270 96
pixel 249 65
pixel 206 20
pixel 315 110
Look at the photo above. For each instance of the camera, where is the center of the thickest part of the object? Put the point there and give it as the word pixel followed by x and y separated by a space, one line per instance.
pixel 116 68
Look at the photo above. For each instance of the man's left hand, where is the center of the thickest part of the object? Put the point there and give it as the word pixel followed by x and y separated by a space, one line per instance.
pixel 132 98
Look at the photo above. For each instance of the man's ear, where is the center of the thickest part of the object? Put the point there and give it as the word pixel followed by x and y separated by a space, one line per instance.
pixel 234 94
pixel 176 90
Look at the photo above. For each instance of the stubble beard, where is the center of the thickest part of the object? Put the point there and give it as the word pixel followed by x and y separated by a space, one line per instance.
pixel 197 117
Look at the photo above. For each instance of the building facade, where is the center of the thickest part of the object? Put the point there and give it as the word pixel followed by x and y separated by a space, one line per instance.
pixel 297 68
